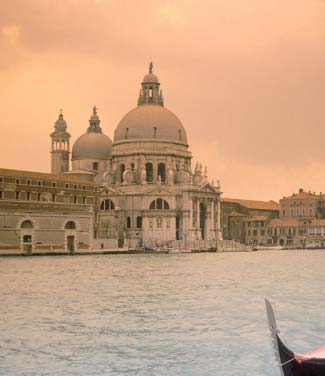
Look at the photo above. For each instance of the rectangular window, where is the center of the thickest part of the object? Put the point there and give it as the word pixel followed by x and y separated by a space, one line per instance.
pixel 74 199
pixel 84 187
pixel 262 232
pixel 66 185
pixel 28 196
pixel 1 179
pixel 1 195
pixel 39 182
pixel 17 195
pixel 84 200
pixel 53 185
pixel 75 186
pixel 53 197
pixel 38 197
pixel 17 181
pixel 95 166
pixel 66 199
pixel 28 182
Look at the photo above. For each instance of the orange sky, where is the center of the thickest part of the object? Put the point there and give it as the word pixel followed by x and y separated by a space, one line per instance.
pixel 246 78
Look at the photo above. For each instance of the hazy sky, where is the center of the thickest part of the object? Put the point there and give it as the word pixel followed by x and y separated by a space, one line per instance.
pixel 245 77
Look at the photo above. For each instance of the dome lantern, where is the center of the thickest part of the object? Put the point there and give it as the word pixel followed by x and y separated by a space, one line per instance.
pixel 150 89
pixel 94 122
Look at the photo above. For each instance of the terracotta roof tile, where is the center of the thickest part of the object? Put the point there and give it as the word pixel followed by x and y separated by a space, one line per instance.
pixel 254 204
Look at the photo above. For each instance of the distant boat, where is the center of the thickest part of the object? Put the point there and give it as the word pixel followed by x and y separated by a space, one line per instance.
pixel 290 363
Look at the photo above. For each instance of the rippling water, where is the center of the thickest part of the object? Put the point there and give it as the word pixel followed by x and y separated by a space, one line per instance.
pixel 187 314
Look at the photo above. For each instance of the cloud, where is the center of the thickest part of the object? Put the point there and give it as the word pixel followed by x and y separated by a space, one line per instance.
pixel 247 79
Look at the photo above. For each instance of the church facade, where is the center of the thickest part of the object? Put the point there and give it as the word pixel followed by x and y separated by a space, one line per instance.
pixel 145 190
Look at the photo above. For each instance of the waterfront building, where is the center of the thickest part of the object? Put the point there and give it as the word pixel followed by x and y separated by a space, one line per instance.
pixel 245 220
pixel 150 194
pixel 301 223
pixel 138 190
pixel 45 212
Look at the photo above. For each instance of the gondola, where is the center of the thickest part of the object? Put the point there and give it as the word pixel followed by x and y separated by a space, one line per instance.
pixel 290 363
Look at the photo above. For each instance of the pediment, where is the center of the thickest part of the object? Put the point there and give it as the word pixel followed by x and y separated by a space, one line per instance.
pixel 104 191
pixel 158 191
pixel 207 187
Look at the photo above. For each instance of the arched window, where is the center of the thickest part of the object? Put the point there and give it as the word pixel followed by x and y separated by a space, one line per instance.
pixel 26 224
pixel 162 172
pixel 149 172
pixel 128 222
pixel 70 225
pixel 159 203
pixel 139 222
pixel 107 205
pixel 122 169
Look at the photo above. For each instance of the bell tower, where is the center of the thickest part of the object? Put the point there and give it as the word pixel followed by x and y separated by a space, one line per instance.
pixel 60 149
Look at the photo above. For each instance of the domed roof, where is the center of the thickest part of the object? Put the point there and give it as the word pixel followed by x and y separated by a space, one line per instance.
pixel 150 121
pixel 150 77
pixel 92 145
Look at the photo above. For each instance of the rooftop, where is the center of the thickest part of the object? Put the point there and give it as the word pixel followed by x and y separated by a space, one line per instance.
pixel 41 175
pixel 253 204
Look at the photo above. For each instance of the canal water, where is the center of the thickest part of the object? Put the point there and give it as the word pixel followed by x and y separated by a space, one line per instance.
pixel 185 314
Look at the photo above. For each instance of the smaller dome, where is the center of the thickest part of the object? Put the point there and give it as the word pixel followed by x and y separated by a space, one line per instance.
pixel 60 124
pixel 150 77
pixel 92 145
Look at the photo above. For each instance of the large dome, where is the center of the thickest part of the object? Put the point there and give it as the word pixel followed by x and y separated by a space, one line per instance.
pixel 149 121
pixel 92 145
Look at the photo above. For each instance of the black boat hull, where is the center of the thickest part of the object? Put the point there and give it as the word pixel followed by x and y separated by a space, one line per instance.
pixel 288 364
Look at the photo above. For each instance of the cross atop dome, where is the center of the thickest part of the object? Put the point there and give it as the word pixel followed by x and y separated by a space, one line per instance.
pixel 149 92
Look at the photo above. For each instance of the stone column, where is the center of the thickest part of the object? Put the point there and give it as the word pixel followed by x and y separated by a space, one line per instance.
pixel 219 232
pixel 198 214
pixel 212 215
pixel 191 214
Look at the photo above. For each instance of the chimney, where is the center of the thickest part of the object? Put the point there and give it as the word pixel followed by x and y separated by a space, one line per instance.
pixel 301 190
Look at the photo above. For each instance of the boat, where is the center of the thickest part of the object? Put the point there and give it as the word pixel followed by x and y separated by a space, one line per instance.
pixel 291 363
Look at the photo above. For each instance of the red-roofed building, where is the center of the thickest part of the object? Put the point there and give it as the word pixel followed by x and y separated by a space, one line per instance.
pixel 245 220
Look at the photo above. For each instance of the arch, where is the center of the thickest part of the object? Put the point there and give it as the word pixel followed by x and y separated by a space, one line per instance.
pixel 107 204
pixel 27 224
pixel 70 225
pixel 149 172
pixel 159 203
pixel 139 221
pixel 128 222
pixel 162 171
pixel 122 169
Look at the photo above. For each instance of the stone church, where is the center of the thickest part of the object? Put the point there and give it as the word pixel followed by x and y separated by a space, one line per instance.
pixel 145 191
